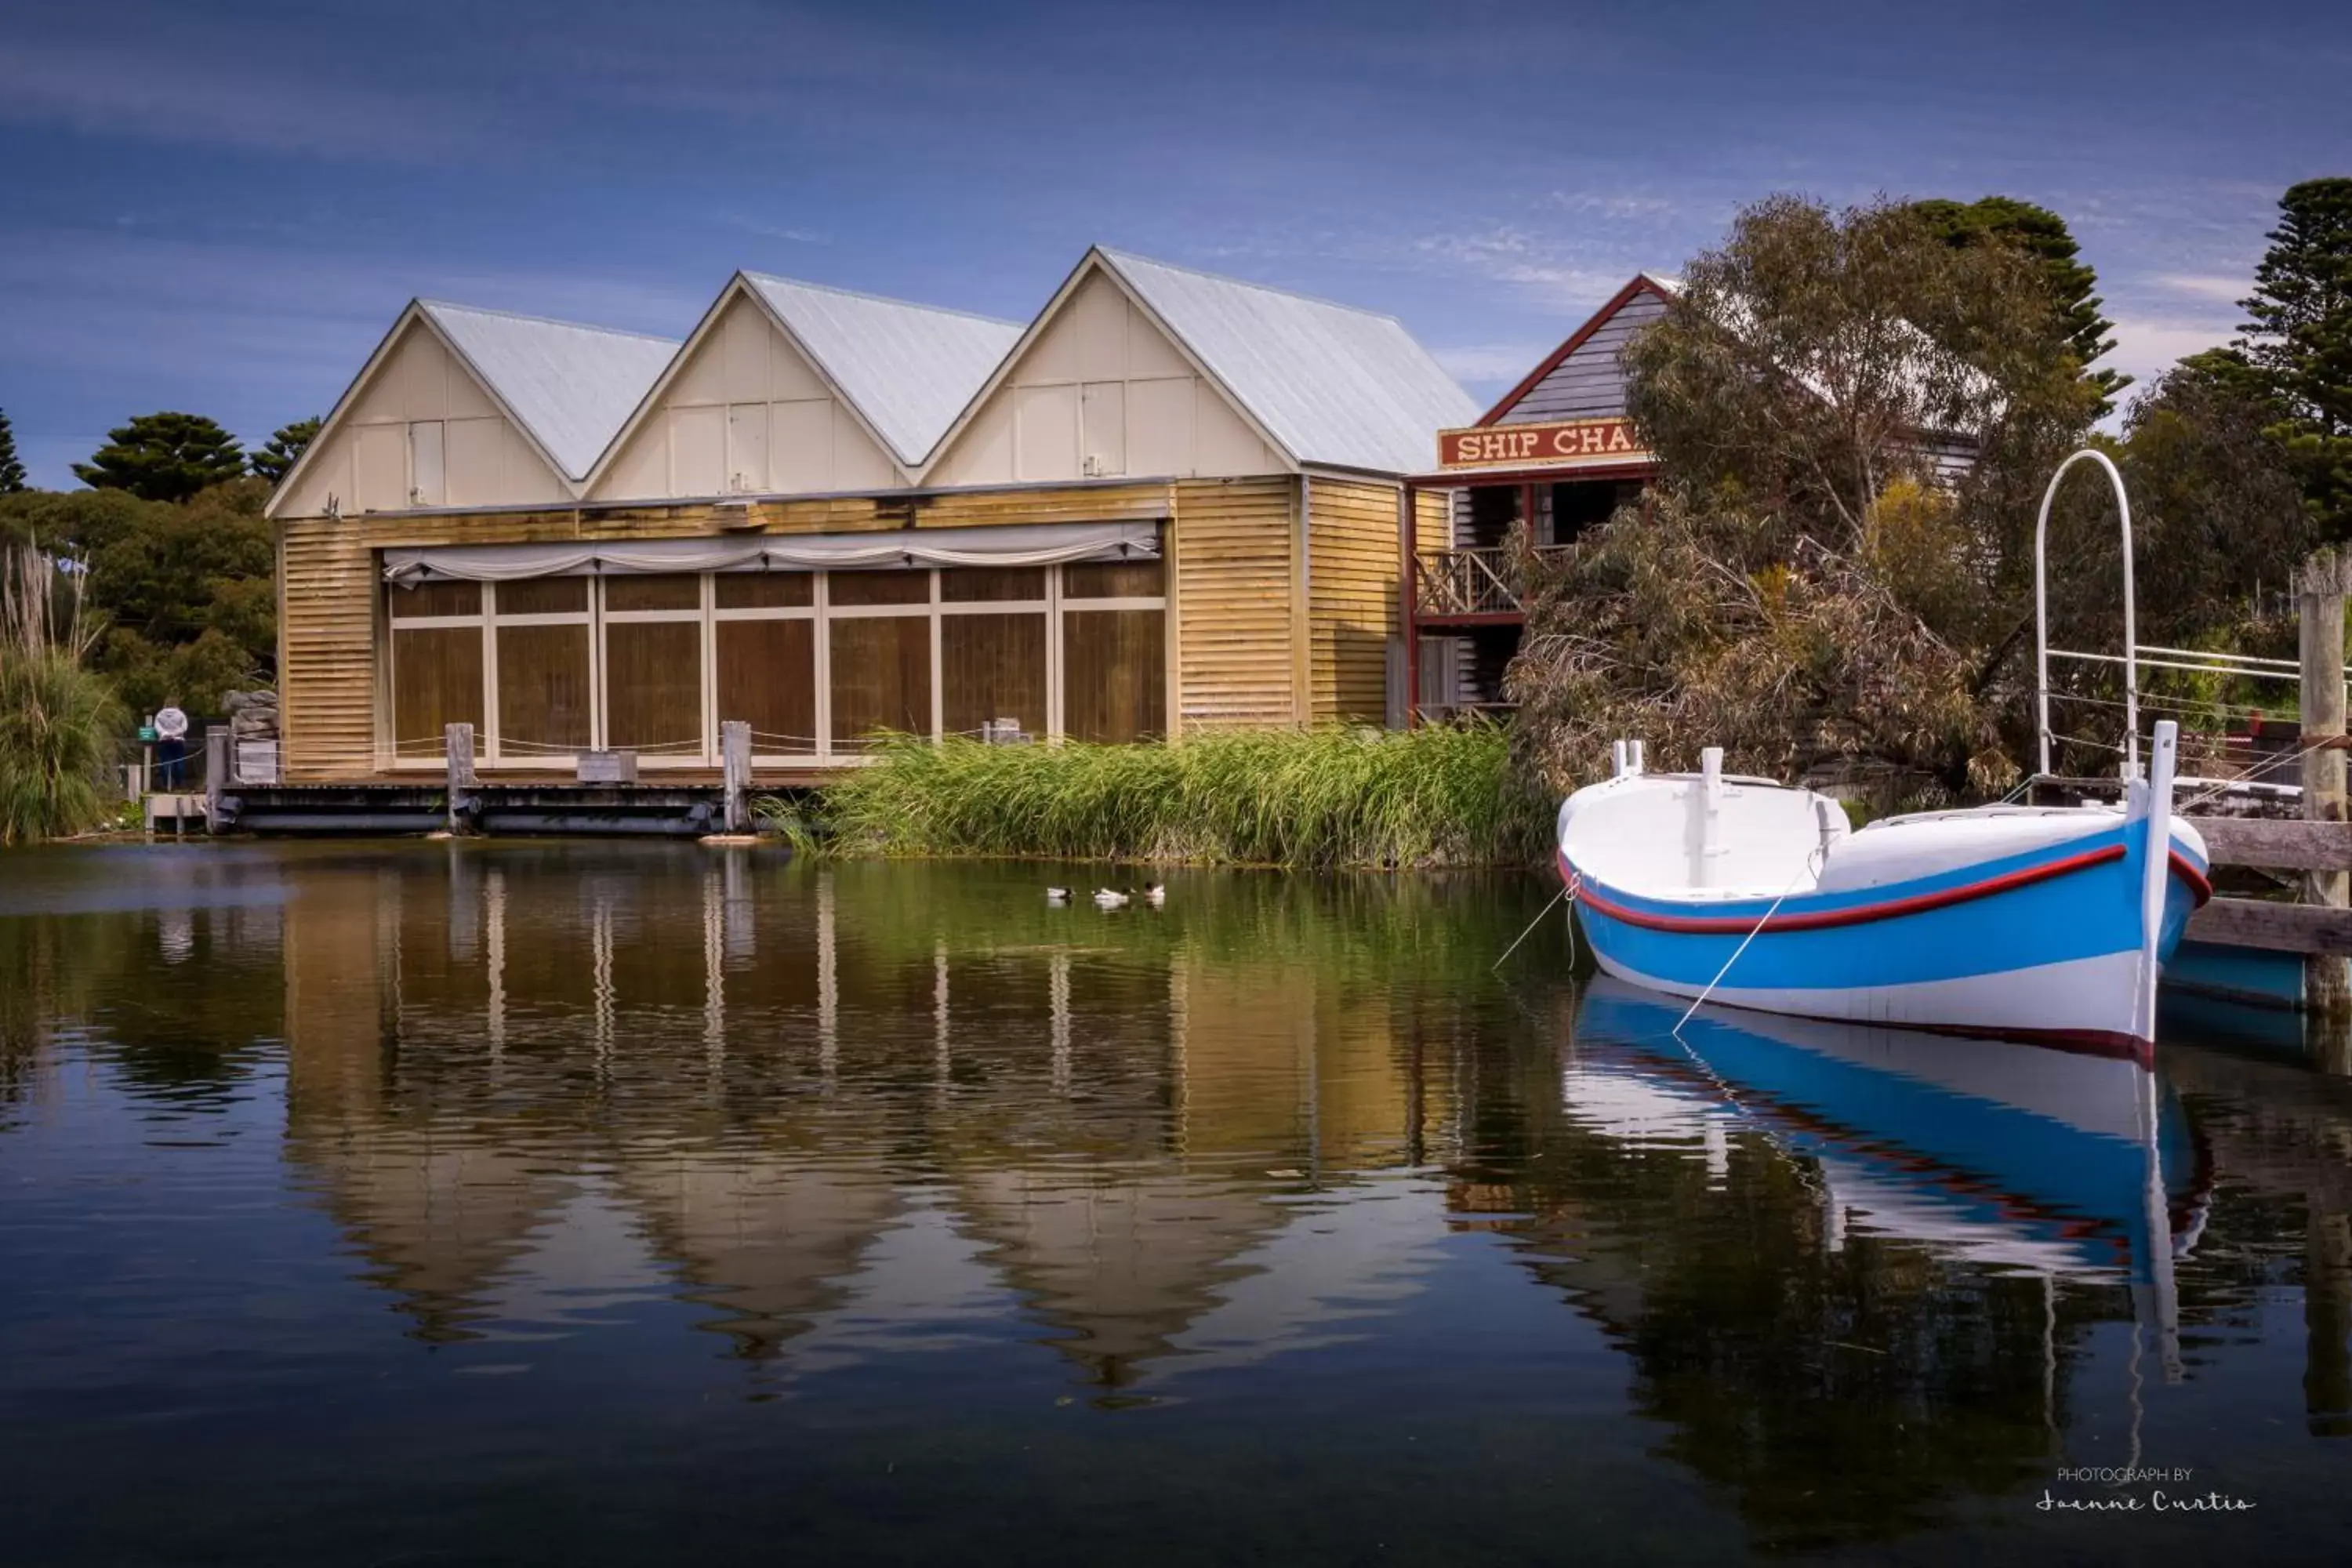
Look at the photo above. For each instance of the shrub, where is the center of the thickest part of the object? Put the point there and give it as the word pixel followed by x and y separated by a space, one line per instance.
pixel 59 719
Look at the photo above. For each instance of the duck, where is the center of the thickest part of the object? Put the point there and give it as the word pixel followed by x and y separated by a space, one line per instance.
pixel 1110 898
pixel 1057 895
pixel 1155 893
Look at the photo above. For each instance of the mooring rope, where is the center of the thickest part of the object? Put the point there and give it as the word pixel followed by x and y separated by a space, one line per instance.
pixel 1810 867
pixel 1566 889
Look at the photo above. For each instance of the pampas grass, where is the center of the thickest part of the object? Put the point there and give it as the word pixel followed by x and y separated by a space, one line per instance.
pixel 58 718
pixel 1330 797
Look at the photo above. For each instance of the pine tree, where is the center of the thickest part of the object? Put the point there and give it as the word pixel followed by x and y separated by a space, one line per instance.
pixel 284 448
pixel 163 456
pixel 2042 234
pixel 12 472
pixel 2300 340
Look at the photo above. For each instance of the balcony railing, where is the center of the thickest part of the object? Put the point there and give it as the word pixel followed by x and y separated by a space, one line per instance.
pixel 1456 583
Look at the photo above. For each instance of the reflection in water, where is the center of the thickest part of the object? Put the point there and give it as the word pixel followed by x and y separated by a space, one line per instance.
pixel 1282 1147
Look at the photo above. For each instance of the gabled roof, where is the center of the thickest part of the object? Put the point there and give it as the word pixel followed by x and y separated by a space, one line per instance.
pixel 1668 289
pixel 569 386
pixel 1328 382
pixel 908 368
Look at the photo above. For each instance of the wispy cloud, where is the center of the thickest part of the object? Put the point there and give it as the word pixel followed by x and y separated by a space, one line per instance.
pixel 2228 290
pixel 208 96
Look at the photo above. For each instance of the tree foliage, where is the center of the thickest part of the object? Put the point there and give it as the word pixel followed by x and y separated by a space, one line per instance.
pixel 1813 589
pixel 163 457
pixel 2216 507
pixel 12 471
pixel 59 722
pixel 183 593
pixel 2300 340
pixel 2042 234
pixel 284 448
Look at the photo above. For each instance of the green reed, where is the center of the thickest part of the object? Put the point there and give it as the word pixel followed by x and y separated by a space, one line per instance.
pixel 58 718
pixel 1442 796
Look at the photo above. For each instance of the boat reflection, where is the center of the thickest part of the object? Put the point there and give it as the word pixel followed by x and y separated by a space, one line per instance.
pixel 2013 1155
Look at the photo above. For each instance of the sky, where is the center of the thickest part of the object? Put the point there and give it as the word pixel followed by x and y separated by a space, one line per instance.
pixel 220 207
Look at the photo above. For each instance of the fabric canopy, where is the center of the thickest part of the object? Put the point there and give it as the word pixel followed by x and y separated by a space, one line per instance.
pixel 1026 544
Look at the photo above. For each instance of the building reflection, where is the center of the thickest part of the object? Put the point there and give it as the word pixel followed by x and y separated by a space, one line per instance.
pixel 1114 1125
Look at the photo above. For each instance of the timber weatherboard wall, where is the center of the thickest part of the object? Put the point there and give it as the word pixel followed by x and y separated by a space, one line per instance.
pixel 1234 566
pixel 1352 556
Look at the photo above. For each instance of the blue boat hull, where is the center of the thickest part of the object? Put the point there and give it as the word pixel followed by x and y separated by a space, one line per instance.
pixel 2044 943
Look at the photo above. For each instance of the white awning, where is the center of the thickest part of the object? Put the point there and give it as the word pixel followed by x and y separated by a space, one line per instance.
pixel 1026 544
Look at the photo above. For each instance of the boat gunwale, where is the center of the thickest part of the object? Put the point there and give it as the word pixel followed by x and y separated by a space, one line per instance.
pixel 1777 917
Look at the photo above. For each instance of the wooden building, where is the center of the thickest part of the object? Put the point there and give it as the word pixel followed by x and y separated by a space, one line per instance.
pixel 1555 451
pixel 1170 503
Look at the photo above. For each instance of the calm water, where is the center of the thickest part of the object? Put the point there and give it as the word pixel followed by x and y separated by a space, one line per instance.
pixel 425 1204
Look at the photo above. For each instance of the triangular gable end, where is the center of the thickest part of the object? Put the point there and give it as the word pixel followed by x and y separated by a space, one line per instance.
pixel 1101 387
pixel 743 408
pixel 1581 378
pixel 419 427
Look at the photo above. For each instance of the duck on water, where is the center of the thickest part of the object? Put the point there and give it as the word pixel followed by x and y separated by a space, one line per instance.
pixel 2016 920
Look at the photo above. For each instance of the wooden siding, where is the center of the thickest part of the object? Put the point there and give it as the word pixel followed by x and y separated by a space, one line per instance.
pixel 326 649
pixel 1235 567
pixel 1589 384
pixel 1352 554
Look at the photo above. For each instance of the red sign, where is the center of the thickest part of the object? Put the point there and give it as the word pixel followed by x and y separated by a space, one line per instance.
pixel 1580 442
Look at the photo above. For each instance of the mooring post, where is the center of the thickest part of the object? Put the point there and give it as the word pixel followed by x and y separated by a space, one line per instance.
pixel 216 755
pixel 457 746
pixel 735 752
pixel 2320 589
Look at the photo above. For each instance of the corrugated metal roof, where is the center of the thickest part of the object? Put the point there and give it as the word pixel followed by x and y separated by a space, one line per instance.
pixel 1331 383
pixel 572 386
pixel 909 369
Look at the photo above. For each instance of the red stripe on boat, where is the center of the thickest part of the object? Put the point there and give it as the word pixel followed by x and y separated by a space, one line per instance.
pixel 2189 871
pixel 1859 914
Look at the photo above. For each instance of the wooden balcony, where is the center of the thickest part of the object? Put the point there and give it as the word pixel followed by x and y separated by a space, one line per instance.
pixel 1478 587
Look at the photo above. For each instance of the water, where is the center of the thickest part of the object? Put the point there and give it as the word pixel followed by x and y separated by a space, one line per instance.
pixel 574 1204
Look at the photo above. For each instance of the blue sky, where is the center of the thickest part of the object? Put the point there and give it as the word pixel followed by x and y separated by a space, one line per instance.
pixel 220 207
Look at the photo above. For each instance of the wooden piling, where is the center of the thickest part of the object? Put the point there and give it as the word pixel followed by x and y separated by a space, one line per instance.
pixel 735 753
pixel 2320 589
pixel 218 752
pixel 457 746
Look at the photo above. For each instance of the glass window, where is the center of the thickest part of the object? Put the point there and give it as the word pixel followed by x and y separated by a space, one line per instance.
pixel 435 599
pixel 880 587
pixel 1114 675
pixel 1115 579
pixel 667 591
pixel 543 596
pixel 992 666
pixel 653 686
pixel 983 584
pixel 765 589
pixel 542 689
pixel 881 677
pixel 437 680
pixel 767 679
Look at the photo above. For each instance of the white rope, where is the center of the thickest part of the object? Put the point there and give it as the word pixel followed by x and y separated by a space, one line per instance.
pixel 1565 888
pixel 1808 867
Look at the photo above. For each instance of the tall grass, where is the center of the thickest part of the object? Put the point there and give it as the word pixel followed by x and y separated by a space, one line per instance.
pixel 58 718
pixel 1437 796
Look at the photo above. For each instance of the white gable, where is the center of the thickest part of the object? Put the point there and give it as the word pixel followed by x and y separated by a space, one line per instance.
pixel 421 431
pixel 744 413
pixel 1100 392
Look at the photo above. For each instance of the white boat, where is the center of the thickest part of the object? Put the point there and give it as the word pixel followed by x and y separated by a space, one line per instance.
pixel 2015 921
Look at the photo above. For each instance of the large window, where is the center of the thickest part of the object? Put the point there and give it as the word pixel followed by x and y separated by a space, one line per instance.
pixel 818 664
pixel 1114 658
pixel 653 665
